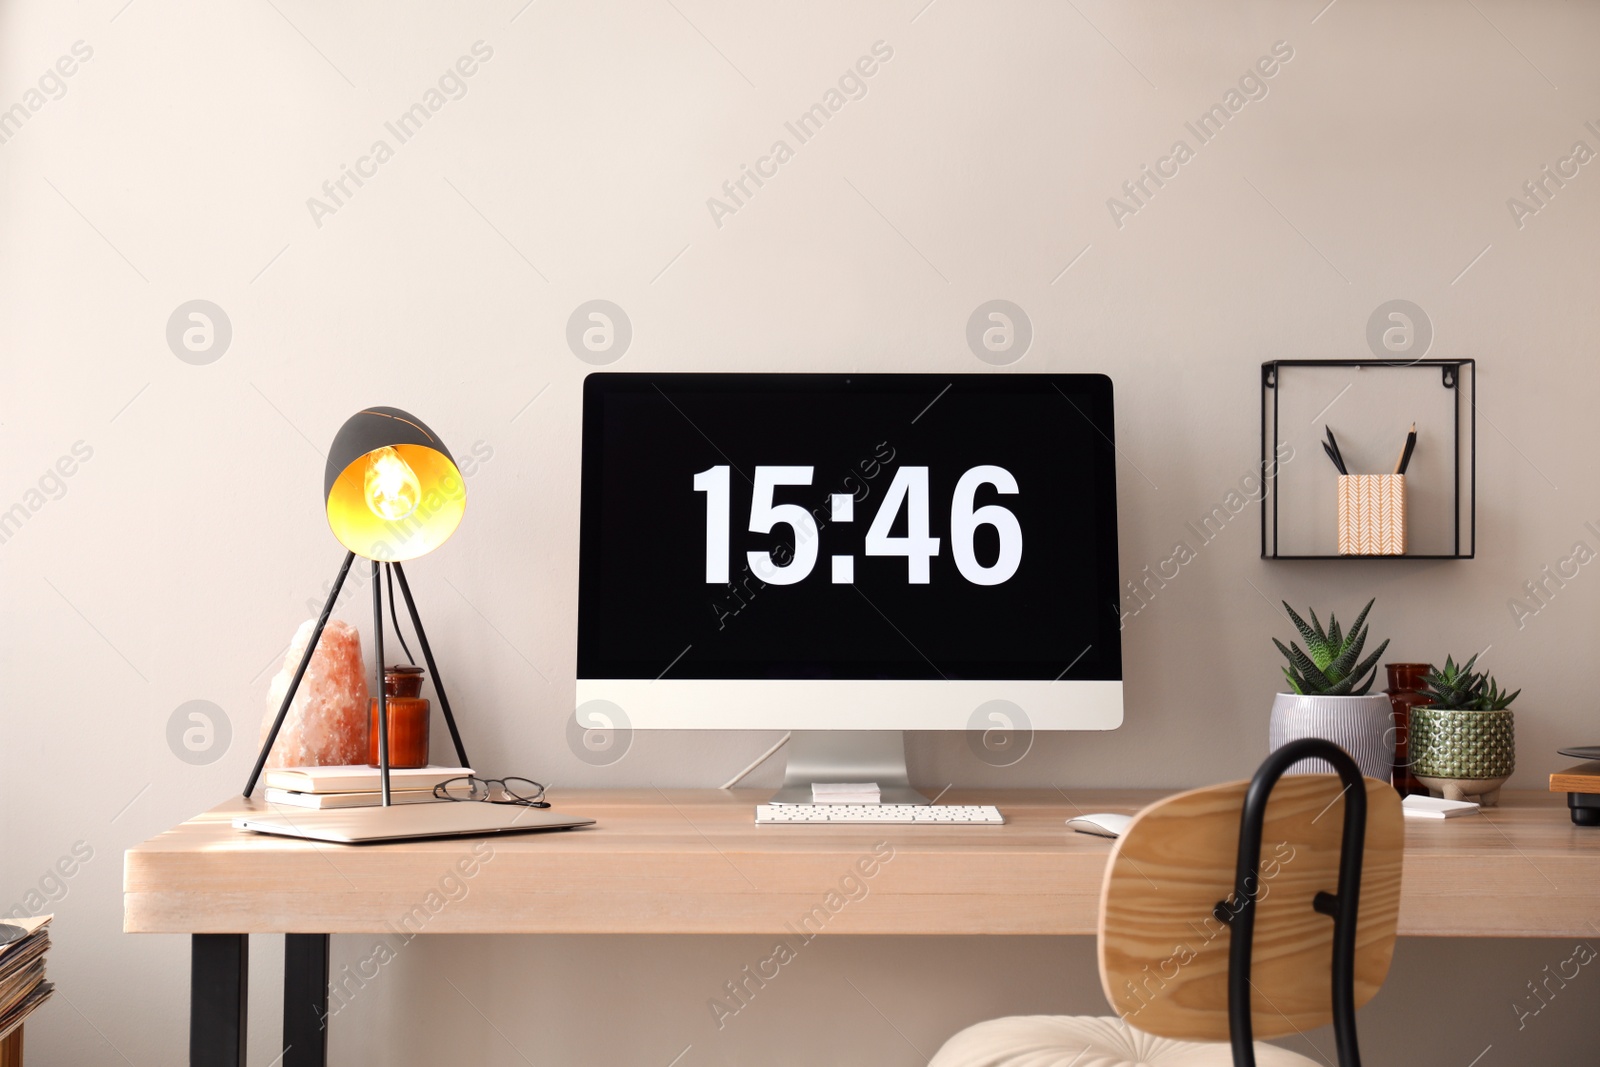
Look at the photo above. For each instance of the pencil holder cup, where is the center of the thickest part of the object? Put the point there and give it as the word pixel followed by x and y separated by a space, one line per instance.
pixel 1372 515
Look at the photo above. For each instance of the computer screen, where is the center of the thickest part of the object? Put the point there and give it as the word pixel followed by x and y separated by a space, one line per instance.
pixel 871 551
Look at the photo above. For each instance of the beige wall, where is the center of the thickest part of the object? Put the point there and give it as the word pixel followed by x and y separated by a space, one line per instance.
pixel 174 563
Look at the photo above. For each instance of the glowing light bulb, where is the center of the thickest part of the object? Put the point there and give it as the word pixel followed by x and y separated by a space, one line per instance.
pixel 392 488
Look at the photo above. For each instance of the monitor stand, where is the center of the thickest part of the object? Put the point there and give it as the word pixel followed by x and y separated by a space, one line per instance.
pixel 847 756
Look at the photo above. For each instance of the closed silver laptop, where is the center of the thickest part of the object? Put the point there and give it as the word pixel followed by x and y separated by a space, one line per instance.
pixel 357 826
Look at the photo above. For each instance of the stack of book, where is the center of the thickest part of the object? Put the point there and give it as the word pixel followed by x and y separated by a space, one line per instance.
pixel 356 786
pixel 22 984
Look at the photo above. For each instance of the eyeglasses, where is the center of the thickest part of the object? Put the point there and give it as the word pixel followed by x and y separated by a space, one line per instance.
pixel 523 791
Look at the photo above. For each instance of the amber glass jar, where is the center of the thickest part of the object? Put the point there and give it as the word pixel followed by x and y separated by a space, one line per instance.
pixel 408 718
pixel 1406 682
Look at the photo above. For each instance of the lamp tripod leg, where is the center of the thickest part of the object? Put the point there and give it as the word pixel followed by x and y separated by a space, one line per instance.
pixel 383 696
pixel 433 668
pixel 300 672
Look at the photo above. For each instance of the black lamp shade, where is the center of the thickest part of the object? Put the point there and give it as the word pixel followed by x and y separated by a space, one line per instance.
pixel 393 491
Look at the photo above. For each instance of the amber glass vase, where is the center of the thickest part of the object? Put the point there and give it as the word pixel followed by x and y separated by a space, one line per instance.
pixel 408 718
pixel 1405 692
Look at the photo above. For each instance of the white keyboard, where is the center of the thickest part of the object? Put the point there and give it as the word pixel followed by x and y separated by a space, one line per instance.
pixel 950 814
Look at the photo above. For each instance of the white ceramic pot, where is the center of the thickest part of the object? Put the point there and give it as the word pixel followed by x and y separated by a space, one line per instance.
pixel 1362 726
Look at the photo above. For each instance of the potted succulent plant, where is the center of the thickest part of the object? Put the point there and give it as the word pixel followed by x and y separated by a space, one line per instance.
pixel 1330 696
pixel 1463 744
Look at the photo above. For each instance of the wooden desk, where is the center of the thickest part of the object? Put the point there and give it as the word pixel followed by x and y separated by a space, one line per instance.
pixel 692 861
pixel 11 1049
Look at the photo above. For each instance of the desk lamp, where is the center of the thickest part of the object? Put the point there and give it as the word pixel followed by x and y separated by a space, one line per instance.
pixel 392 493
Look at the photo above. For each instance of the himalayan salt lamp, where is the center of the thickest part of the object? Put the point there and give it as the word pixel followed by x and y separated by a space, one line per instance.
pixel 327 723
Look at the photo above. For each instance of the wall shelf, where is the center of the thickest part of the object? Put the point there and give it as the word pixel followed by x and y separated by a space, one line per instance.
pixel 1370 404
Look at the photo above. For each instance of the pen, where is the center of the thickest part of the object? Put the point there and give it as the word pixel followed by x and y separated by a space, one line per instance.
pixel 1405 453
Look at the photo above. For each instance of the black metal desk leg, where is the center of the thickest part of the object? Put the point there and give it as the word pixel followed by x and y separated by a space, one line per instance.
pixel 305 1000
pixel 219 983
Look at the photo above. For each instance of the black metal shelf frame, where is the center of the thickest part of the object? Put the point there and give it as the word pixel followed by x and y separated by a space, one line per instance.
pixel 1450 371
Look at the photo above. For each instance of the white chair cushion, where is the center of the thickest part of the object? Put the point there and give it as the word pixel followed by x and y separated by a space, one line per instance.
pixel 1087 1041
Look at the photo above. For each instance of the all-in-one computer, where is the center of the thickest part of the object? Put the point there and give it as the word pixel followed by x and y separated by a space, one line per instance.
pixel 847 556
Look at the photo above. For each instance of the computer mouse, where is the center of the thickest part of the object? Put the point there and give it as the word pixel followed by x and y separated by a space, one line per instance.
pixel 1105 824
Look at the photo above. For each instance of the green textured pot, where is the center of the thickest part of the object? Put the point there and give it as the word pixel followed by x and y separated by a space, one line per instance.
pixel 1463 753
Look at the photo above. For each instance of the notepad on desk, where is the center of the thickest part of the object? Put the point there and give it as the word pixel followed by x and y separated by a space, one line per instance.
pixel 1417 806
pixel 846 793
pixel 359 778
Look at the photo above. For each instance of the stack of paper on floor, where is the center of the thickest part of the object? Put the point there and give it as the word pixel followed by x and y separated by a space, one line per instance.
pixel 22 984
pixel 356 786
pixel 845 793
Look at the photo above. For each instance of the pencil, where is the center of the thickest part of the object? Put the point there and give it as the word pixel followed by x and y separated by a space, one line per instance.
pixel 1334 453
pixel 1336 464
pixel 1405 452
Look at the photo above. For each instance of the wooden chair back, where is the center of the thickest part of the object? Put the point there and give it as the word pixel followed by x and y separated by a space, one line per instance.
pixel 1163 948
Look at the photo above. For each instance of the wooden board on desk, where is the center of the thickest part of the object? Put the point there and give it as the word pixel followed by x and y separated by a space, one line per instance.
pixel 1584 778
pixel 693 861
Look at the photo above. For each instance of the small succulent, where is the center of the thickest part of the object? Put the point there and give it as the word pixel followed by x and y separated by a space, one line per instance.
pixel 1331 664
pixel 1460 688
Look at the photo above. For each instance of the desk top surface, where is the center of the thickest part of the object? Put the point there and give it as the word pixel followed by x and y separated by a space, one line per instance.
pixel 693 861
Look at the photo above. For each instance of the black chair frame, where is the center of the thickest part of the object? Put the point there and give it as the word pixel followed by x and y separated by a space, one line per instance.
pixel 1342 906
